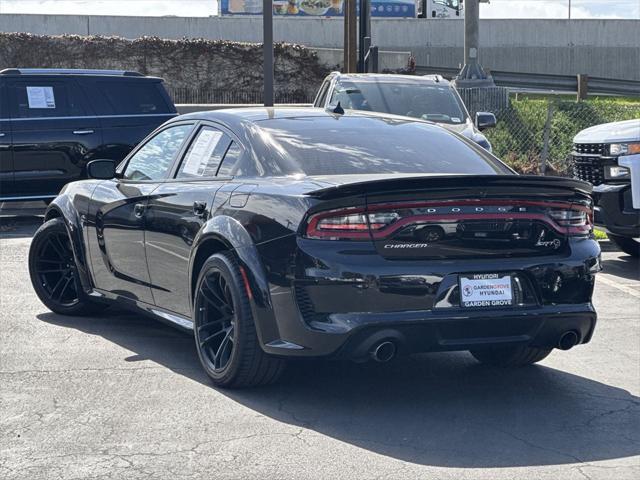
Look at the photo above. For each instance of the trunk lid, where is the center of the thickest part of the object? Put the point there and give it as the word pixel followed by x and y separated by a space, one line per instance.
pixel 427 217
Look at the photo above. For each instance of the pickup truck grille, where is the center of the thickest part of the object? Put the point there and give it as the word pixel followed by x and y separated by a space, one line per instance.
pixel 587 163
pixel 595 149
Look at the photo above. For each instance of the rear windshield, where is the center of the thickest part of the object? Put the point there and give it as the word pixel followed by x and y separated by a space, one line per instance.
pixel 352 145
pixel 133 97
pixel 433 102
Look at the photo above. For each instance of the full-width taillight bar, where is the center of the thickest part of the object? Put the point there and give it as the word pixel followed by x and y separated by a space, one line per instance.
pixel 382 220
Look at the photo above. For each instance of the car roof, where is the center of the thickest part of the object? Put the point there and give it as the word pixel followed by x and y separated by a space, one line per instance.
pixel 238 117
pixel 84 72
pixel 392 78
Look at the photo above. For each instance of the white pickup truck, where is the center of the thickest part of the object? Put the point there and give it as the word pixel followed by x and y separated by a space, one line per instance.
pixel 608 156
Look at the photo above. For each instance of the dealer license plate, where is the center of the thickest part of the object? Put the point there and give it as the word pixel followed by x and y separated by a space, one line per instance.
pixel 485 290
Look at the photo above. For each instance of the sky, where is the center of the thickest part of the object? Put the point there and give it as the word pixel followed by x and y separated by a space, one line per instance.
pixel 203 8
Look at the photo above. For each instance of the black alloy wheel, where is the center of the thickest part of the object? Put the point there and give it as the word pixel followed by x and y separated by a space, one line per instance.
pixel 224 329
pixel 53 271
pixel 216 321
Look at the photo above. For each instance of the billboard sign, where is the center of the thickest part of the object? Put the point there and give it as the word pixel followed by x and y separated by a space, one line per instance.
pixel 317 8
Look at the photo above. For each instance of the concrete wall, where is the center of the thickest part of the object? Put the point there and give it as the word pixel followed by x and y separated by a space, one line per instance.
pixel 600 48
pixel 386 60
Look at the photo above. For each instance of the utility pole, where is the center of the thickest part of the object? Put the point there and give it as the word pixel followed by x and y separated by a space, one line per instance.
pixel 569 9
pixel 350 36
pixel 472 74
pixel 267 51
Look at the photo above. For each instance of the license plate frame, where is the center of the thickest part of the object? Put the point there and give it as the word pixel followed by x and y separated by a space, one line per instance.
pixel 486 290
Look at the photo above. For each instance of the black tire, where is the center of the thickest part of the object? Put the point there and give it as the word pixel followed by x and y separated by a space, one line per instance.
pixel 510 356
pixel 628 245
pixel 225 333
pixel 53 272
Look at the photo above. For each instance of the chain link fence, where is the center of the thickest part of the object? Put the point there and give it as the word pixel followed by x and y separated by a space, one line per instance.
pixel 536 135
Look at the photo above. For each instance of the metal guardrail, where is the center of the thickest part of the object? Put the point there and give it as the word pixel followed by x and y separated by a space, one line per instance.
pixel 538 81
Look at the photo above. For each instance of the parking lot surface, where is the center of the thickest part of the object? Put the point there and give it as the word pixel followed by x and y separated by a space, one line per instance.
pixel 120 396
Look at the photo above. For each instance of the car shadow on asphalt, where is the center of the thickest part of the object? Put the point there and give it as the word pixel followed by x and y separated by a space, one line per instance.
pixel 625 266
pixel 435 409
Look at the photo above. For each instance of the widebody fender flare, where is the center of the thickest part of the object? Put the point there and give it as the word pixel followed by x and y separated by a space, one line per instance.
pixel 230 232
pixel 62 206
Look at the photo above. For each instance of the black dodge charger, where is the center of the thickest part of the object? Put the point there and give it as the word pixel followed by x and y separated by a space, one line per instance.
pixel 277 233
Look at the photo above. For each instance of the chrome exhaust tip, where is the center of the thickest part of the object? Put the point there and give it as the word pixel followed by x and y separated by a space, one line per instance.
pixel 384 351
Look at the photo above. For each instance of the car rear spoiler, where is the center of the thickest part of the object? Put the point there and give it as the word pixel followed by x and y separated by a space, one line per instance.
pixel 479 185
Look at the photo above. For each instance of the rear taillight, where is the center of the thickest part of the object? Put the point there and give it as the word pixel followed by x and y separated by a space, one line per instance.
pixel 568 218
pixel 348 224
pixel 573 220
pixel 383 220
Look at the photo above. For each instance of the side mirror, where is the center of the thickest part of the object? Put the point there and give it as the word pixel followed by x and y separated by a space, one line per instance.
pixel 485 120
pixel 101 169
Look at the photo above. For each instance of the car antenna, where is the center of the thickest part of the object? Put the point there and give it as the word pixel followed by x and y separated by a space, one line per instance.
pixel 339 110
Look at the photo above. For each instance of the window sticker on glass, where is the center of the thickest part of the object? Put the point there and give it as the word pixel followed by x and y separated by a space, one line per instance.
pixel 198 159
pixel 41 97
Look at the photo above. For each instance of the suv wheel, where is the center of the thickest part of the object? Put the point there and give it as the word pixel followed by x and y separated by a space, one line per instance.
pixel 53 271
pixel 224 328
pixel 510 356
pixel 628 245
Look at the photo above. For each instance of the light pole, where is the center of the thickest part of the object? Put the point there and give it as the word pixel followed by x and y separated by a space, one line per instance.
pixel 472 74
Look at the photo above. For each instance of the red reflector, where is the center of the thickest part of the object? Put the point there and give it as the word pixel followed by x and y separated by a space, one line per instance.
pixel 245 280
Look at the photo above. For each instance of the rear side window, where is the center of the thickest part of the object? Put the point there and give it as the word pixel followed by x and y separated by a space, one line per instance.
pixel 231 160
pixel 155 158
pixel 133 97
pixel 41 98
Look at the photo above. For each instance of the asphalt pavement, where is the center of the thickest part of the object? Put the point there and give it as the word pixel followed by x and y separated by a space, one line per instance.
pixel 121 396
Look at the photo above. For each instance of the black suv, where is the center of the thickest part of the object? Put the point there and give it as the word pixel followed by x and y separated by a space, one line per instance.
pixel 53 121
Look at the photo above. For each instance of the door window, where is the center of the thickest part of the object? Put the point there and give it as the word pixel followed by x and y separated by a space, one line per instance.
pixel 40 98
pixel 204 154
pixel 155 158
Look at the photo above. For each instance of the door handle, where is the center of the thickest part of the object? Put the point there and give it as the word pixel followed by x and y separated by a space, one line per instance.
pixel 82 132
pixel 2 134
pixel 138 210
pixel 199 208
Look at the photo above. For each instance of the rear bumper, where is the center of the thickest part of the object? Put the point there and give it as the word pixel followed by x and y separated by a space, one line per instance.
pixel 614 210
pixel 344 301
pixel 426 331
pixel 540 328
